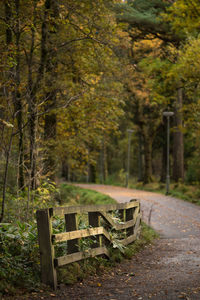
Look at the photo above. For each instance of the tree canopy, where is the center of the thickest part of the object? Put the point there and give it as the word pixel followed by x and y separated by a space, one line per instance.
pixel 76 75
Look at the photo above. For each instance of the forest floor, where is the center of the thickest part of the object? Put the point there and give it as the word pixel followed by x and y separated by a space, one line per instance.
pixel 167 270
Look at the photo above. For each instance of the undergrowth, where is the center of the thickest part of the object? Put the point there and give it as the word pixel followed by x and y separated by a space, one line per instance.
pixel 19 252
pixel 79 270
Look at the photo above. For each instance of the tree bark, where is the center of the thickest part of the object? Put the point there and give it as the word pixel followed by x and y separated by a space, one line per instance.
pixel 148 158
pixel 50 137
pixel 164 152
pixel 140 158
pixel 178 148
pixel 103 162
pixel 17 102
pixel 51 117
pixel 92 173
pixel 33 89
pixel 32 136
pixel 5 177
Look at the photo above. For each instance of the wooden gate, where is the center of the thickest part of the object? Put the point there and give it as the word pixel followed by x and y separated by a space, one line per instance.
pixel 99 218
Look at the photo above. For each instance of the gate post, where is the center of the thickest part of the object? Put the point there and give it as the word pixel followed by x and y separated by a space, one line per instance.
pixel 48 270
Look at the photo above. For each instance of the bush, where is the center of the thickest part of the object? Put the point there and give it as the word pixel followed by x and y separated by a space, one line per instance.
pixel 193 171
pixel 19 258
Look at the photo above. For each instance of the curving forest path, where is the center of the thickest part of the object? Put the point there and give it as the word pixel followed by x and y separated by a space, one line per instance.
pixel 170 269
pixel 167 270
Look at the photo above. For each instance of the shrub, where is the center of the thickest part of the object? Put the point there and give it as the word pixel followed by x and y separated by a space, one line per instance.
pixel 19 258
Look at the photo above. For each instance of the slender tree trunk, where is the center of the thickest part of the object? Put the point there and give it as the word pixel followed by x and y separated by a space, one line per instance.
pixel 5 177
pixel 32 134
pixel 103 162
pixel 51 117
pixel 65 169
pixel 164 164
pixel 140 158
pixel 50 138
pixel 33 89
pixel 17 102
pixel 92 173
pixel 148 158
pixel 8 16
pixel 164 152
pixel 32 103
pixel 178 148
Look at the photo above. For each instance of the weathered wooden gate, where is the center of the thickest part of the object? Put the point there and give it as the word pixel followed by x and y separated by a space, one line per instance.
pixel 99 219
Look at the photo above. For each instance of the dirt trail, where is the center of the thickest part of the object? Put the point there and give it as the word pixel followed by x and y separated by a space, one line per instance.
pixel 168 270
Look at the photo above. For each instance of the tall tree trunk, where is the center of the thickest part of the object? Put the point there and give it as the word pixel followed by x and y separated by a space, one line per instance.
pixel 32 137
pixel 32 107
pixel 147 158
pixel 8 16
pixel 50 137
pixel 164 153
pixel 140 158
pixel 17 102
pixel 34 87
pixel 51 117
pixel 178 148
pixel 5 177
pixel 65 169
pixel 103 162
pixel 92 173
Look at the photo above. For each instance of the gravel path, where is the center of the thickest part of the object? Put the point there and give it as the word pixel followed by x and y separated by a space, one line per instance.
pixel 167 270
pixel 170 269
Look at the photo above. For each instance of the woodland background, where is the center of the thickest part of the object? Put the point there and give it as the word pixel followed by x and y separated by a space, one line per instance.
pixel 75 75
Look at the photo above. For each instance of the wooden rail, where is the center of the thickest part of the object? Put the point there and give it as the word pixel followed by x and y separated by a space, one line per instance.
pixel 99 221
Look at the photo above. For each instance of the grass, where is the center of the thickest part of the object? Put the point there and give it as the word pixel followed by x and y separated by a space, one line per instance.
pixel 73 195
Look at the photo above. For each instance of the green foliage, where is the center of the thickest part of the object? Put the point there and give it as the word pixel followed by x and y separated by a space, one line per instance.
pixel 23 206
pixel 184 16
pixel 19 257
pixel 19 253
pixel 116 244
pixel 147 17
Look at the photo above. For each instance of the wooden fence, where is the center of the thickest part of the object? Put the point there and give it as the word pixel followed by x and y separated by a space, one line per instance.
pixel 99 218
